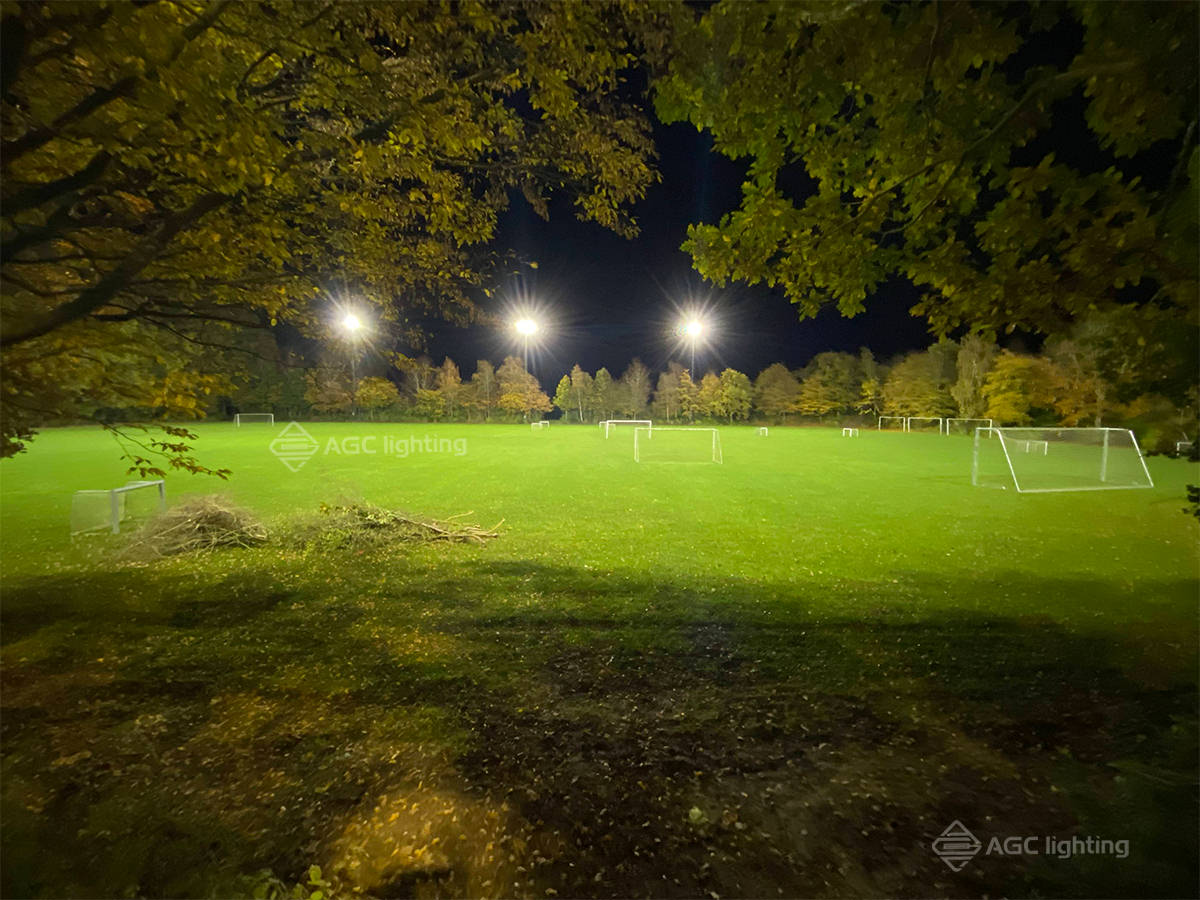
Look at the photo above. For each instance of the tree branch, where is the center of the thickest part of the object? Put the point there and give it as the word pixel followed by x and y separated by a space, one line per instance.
pixel 110 285
pixel 37 194
pixel 1177 170
pixel 101 97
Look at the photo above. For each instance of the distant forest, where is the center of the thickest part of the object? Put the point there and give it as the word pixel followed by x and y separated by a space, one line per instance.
pixel 1095 375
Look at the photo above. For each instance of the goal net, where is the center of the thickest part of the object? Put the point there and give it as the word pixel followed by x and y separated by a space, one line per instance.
pixel 1045 460
pixel 899 423
pixel 677 445
pixel 965 425
pixel 95 511
pixel 612 425
pixel 253 419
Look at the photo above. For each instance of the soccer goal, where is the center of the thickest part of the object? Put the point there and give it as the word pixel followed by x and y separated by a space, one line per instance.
pixel 93 511
pixel 538 425
pixel 964 425
pixel 849 432
pixel 762 430
pixel 253 419
pixel 923 423
pixel 676 444
pixel 893 422
pixel 613 424
pixel 1047 460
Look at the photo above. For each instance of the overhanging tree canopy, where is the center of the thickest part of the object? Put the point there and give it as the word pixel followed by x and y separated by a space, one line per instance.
pixel 172 169
pixel 913 139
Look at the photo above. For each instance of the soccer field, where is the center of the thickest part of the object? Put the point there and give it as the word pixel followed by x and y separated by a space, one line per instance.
pixel 664 677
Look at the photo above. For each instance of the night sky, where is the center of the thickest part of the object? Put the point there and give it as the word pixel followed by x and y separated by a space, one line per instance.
pixel 608 299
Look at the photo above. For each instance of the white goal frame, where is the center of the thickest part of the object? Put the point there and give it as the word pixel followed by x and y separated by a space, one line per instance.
pixel 1180 446
pixel 237 419
pixel 849 432
pixel 542 424
pixel 115 498
pixel 910 419
pixel 903 420
pixel 609 423
pixel 1004 445
pixel 717 456
pixel 762 430
pixel 946 424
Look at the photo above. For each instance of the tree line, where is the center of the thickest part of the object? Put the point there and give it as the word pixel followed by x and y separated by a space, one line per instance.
pixel 1091 376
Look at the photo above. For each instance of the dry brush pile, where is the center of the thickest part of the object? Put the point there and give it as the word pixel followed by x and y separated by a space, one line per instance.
pixel 203 524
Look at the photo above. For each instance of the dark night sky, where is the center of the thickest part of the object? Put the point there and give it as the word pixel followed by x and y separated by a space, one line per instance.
pixel 609 299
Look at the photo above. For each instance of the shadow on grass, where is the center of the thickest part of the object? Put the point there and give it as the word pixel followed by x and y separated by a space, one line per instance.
pixel 509 729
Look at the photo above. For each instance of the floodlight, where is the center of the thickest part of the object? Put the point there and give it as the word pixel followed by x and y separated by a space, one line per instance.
pixel 526 326
pixel 351 323
pixel 694 328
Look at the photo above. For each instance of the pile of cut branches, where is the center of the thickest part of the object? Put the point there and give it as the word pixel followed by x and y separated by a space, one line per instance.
pixel 367 525
pixel 198 524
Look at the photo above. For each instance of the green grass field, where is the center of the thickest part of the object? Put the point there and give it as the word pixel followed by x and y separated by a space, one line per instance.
pixel 779 676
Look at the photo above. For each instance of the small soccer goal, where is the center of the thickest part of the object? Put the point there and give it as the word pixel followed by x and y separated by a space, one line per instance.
pixel 889 423
pixel 1183 446
pixel 762 431
pixel 536 426
pixel 253 419
pixel 923 423
pixel 612 425
pixel 96 511
pixel 964 425
pixel 849 432
pixel 676 444
pixel 1049 460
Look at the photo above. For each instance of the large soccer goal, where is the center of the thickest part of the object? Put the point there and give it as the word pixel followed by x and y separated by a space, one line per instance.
pixel 253 419
pixel 900 422
pixel 93 511
pixel 964 425
pixel 1046 460
pixel 676 444
pixel 612 425
pixel 923 423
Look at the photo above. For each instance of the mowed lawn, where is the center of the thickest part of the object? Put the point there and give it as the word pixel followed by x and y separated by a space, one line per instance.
pixel 780 676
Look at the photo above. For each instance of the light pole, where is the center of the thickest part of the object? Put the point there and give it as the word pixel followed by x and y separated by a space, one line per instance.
pixel 353 327
pixel 694 328
pixel 527 328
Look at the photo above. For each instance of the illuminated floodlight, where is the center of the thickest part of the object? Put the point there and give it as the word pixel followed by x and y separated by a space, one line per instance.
pixel 526 326
pixel 352 323
pixel 694 328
